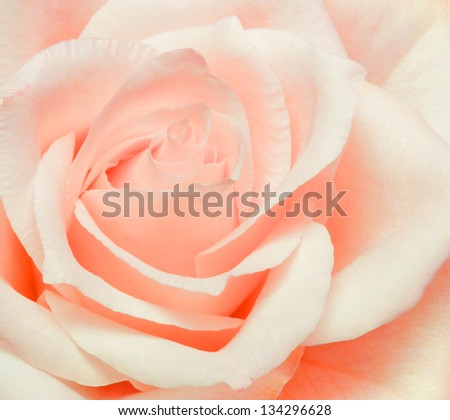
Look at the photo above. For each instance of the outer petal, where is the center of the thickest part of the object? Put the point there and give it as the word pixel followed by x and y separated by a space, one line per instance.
pixel 422 78
pixel 405 47
pixel 49 94
pixel 52 350
pixel 142 18
pixel 407 359
pixel 265 388
pixel 397 234
pixel 19 380
pixel 27 27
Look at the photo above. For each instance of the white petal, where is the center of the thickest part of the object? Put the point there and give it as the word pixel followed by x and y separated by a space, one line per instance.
pixel 405 47
pixel 21 381
pixel 268 387
pixel 29 27
pixel 143 18
pixel 36 337
pixel 405 359
pixel 397 235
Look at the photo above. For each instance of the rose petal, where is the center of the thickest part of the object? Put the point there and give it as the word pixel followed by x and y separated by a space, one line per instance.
pixel 406 359
pixel 138 160
pixel 295 294
pixel 405 48
pixel 52 348
pixel 174 79
pixel 421 79
pixel 219 294
pixel 165 161
pixel 52 85
pixel 15 264
pixel 206 337
pixel 328 87
pixel 257 88
pixel 398 231
pixel 60 266
pixel 370 32
pixel 46 23
pixel 19 380
pixel 155 246
pixel 144 18
pixel 267 387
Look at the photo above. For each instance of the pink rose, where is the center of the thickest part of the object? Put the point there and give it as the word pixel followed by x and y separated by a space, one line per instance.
pixel 229 96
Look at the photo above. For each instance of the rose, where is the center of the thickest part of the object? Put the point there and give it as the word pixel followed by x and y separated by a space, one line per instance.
pixel 288 113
